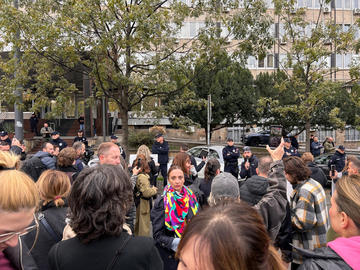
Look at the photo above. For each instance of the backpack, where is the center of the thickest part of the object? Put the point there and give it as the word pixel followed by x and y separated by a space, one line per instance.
pixel 33 167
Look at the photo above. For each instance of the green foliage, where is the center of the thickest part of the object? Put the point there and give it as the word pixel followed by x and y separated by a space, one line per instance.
pixel 138 138
pixel 231 88
pixel 304 95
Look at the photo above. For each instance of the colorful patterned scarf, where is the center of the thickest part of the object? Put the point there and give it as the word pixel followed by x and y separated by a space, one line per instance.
pixel 177 206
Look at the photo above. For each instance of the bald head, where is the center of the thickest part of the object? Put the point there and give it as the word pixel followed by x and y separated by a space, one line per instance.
pixel 264 166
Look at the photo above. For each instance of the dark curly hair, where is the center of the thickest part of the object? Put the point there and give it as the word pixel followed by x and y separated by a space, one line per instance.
pixel 99 200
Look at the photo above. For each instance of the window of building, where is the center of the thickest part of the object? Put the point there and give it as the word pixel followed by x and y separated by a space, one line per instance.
pixel 270 61
pixel 261 63
pixel 251 62
pixel 352 134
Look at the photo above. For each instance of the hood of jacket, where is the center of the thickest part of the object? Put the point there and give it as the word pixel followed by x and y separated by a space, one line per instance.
pixel 348 249
pixel 257 185
pixel 42 154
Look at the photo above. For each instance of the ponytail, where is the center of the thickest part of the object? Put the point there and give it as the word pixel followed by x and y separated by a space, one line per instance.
pixel 210 169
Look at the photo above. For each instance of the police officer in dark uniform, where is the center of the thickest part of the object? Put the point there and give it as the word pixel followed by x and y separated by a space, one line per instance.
pixel 231 155
pixel 5 137
pixel 114 139
pixel 338 159
pixel 56 140
pixel 289 150
pixel 161 148
pixel 80 138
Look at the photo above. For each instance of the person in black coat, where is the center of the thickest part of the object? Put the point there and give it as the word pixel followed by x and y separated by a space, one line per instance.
pixel 80 138
pixel 34 120
pixel 231 155
pixel 316 173
pixel 66 161
pixel 249 165
pixel 253 191
pixel 212 169
pixel 97 216
pixel 289 150
pixel 161 148
pixel 54 187
pixel 56 140
pixel 338 159
pixel 154 170
pixel 167 237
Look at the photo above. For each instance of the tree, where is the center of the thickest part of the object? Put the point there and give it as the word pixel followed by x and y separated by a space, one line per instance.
pixel 308 74
pixel 232 93
pixel 129 49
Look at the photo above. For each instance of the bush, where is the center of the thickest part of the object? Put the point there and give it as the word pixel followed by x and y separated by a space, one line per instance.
pixel 138 138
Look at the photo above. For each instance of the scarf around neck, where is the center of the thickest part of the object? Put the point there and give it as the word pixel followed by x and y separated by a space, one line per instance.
pixel 177 206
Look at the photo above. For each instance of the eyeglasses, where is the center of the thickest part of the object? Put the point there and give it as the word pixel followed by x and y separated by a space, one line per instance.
pixel 7 236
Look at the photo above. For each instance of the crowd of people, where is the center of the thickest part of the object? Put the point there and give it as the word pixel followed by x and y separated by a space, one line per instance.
pixel 59 212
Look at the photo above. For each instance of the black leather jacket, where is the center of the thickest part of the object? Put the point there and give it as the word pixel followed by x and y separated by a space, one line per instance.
pixel 322 259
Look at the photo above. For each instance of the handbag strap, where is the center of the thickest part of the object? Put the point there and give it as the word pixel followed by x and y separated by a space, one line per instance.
pixel 118 251
pixel 48 228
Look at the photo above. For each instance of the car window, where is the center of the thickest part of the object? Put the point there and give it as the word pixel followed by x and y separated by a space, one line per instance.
pixel 322 159
pixel 213 154
pixel 195 152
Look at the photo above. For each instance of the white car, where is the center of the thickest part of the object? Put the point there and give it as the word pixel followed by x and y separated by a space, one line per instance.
pixel 212 151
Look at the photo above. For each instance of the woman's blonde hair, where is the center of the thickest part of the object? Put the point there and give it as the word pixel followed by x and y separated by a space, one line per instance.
pixel 54 186
pixel 17 190
pixel 144 150
pixel 348 197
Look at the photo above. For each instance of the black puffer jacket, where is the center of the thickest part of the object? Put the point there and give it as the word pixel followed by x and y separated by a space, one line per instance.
pixel 317 174
pixel 253 189
pixel 322 259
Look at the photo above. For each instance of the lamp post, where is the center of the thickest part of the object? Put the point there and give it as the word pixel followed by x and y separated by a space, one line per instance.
pixel 19 120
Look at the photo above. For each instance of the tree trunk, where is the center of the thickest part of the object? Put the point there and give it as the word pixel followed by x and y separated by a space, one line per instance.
pixel 125 129
pixel 307 141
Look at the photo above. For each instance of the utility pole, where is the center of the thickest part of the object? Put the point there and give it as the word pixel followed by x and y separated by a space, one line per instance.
pixel 19 118
pixel 208 120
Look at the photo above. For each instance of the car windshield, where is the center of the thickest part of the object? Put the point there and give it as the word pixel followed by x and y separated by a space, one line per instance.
pixel 213 154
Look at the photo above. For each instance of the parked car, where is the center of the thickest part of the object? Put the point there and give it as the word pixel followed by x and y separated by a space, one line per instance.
pixel 322 162
pixel 257 138
pixel 212 151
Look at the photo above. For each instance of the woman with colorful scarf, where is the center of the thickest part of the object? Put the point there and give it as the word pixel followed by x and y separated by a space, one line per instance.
pixel 171 212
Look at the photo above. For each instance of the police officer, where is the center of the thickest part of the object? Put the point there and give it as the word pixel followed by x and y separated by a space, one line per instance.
pixel 161 148
pixel 80 138
pixel 4 136
pixel 114 139
pixel 231 155
pixel 338 159
pixel 289 150
pixel 56 140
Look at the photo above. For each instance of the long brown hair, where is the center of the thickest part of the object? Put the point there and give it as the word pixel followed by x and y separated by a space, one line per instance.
pixel 144 165
pixel 180 160
pixel 297 168
pixel 231 236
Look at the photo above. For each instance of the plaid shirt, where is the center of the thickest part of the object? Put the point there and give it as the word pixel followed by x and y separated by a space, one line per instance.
pixel 309 216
